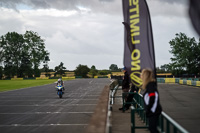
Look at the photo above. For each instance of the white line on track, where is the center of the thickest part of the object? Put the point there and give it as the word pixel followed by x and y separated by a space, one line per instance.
pixel 54 105
pixel 46 113
pixel 47 100
pixel 41 125
pixel 20 95
pixel 90 81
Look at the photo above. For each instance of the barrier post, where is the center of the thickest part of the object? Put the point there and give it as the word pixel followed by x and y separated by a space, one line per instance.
pixel 132 119
pixel 168 127
pixel 175 130
pixel 161 123
pixel 123 102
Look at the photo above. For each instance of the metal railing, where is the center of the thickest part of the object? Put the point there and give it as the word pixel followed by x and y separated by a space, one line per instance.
pixel 165 125
pixel 133 126
pixel 113 88
pixel 113 91
pixel 165 122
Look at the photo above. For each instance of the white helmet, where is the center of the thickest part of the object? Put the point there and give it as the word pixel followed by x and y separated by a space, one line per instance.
pixel 59 80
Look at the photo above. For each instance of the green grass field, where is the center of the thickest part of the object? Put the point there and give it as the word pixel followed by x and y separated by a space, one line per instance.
pixel 6 85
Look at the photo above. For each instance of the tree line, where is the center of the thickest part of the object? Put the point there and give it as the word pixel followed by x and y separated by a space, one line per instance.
pixel 185 61
pixel 186 58
pixel 82 70
pixel 21 55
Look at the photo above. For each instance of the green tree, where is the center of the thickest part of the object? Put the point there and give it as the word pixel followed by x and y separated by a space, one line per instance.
pixel 8 70
pixel 60 69
pixel 11 48
pixel 113 67
pixel 36 50
pixel 20 54
pixel 186 57
pixel 1 72
pixel 25 67
pixel 158 70
pixel 165 68
pixel 104 72
pixel 93 71
pixel 46 66
pixel 82 70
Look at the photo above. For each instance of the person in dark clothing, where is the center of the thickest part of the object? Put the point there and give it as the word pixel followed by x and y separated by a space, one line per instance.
pixel 126 80
pixel 151 99
pixel 130 96
pixel 125 84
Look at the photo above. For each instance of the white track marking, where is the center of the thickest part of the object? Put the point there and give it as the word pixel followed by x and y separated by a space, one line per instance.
pixel 53 105
pixel 27 113
pixel 41 125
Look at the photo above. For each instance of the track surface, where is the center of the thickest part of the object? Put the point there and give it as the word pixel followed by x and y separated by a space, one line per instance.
pixel 181 102
pixel 39 110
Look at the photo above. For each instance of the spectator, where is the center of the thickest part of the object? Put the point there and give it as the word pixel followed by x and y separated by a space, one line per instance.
pixel 125 84
pixel 130 96
pixel 151 99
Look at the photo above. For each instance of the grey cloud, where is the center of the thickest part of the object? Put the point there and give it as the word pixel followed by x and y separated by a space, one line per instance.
pixel 39 4
pixel 167 8
pixel 171 1
pixel 8 4
pixel 94 5
pixel 103 6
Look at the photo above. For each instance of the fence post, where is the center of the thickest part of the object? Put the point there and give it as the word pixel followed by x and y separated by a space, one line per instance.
pixel 161 123
pixel 175 130
pixel 168 127
pixel 123 96
pixel 132 119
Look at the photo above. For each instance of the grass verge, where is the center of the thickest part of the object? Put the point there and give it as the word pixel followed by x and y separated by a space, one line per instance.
pixel 6 85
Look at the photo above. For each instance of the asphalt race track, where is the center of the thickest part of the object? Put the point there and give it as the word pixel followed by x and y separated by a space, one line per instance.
pixel 181 102
pixel 40 110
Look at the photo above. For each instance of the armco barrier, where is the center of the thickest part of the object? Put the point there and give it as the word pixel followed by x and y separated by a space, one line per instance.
pixel 38 78
pixel 169 80
pixel 16 78
pixel 193 83
pixel 177 80
pixel 78 77
pixel 64 78
pixel 197 83
pixel 100 77
pixel 185 82
pixel 189 82
pixel 161 80
pixel 55 77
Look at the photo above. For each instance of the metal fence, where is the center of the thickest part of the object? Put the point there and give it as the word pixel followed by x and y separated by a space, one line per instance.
pixel 166 124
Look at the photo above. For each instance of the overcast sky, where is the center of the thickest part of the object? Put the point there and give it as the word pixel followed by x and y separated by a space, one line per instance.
pixel 90 32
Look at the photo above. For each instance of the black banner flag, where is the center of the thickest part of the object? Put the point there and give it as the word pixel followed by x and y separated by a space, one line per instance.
pixel 138 39
pixel 194 12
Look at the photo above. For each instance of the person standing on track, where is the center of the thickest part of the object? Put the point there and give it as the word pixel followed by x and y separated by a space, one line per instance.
pixel 151 99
